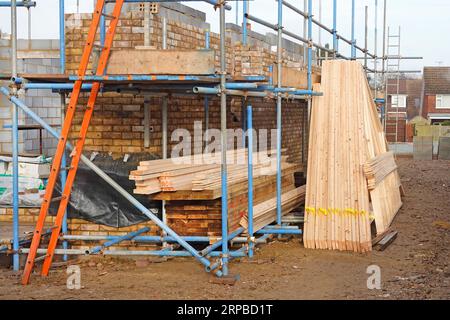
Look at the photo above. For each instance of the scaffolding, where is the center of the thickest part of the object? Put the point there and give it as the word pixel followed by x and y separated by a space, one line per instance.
pixel 213 259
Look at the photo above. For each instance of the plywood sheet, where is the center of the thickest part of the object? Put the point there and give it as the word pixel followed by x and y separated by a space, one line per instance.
pixel 295 78
pixel 170 62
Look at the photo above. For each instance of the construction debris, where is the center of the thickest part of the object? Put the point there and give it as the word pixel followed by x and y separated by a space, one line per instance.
pixel 387 239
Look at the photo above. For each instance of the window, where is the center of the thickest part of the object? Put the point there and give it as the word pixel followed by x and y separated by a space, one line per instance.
pixel 443 101
pixel 399 101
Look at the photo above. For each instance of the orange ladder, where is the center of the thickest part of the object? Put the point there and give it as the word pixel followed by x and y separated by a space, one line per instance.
pixel 77 151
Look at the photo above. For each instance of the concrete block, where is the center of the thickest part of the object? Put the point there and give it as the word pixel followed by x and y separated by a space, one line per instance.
pixel 5 113
pixel 444 148
pixel 42 92
pixel 41 44
pixel 47 62
pixel 47 102
pixel 28 100
pixel 5 43
pixel 6 147
pixel 53 121
pixel 31 68
pixel 5 53
pixel 423 148
pixel 5 136
pixel 55 64
pixel 56 101
pixel 32 93
pixel 37 102
pixel 35 144
pixel 42 112
pixel 41 69
pixel 29 145
pixel 33 134
pixel 5 66
pixel 53 112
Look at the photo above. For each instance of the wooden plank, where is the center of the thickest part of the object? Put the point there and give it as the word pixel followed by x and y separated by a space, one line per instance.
pixel 345 134
pixel 170 62
pixel 264 213
pixel 378 168
pixel 387 240
pixel 294 77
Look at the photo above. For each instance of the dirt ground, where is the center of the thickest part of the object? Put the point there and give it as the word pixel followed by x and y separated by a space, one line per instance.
pixel 415 266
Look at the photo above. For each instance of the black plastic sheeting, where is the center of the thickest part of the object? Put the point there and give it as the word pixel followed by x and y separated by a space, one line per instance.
pixel 94 200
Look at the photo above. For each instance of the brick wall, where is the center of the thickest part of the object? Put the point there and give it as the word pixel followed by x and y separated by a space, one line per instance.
pixel 391 127
pixel 130 34
pixel 412 88
pixel 29 216
pixel 429 106
pixel 117 125
pixel 118 121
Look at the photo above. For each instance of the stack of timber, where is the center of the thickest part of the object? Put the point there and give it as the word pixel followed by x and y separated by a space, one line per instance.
pixel 200 172
pixel 346 137
pixel 265 212
pixel 193 192
pixel 385 189
pixel 378 168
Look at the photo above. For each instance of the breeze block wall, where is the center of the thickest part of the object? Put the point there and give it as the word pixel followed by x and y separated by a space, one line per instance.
pixel 38 56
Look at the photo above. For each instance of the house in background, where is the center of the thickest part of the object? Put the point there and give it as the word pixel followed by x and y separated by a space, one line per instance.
pixel 436 94
pixel 403 104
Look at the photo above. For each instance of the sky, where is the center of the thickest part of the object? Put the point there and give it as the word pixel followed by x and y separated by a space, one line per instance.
pixel 424 23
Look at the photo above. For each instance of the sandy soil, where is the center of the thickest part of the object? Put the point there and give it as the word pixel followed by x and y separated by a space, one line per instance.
pixel 415 266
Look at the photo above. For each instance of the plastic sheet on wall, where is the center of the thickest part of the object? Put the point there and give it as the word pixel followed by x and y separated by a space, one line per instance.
pixel 94 200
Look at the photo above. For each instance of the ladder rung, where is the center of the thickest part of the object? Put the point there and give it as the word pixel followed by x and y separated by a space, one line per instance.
pixel 108 16
pixel 40 258
pixel 57 199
